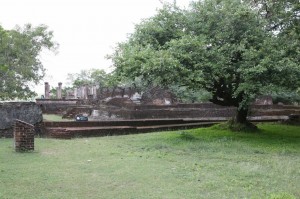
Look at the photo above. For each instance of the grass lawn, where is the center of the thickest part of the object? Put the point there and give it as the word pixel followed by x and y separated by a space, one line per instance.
pixel 53 117
pixel 200 163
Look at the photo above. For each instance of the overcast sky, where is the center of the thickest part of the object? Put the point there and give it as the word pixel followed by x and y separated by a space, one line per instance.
pixel 86 30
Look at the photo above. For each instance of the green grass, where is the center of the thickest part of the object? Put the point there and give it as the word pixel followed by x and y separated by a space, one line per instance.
pixel 200 163
pixel 53 117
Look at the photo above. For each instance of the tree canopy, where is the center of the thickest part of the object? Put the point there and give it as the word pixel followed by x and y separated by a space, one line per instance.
pixel 225 47
pixel 92 76
pixel 20 64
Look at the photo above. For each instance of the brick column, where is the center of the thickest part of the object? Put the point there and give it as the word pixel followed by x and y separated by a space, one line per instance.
pixel 23 136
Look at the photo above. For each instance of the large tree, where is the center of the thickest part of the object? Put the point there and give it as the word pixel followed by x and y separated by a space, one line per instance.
pixel 225 47
pixel 20 64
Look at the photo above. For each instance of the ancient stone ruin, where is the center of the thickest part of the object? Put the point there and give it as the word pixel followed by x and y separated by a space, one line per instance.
pixel 28 112
pixel 264 100
pixel 158 96
pixel 102 103
pixel 83 97
pixel 116 111
pixel 119 115
pixel 155 95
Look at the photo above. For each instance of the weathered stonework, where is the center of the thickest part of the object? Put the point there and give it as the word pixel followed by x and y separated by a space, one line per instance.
pixel 23 136
pixel 55 106
pixel 264 100
pixel 47 90
pixel 59 91
pixel 158 96
pixel 28 112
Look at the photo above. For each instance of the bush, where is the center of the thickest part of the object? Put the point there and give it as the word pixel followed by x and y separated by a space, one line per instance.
pixel 286 98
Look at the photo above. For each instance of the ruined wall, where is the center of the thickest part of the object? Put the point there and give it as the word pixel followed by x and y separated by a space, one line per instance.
pixel 55 105
pixel 28 112
pixel 199 110
pixel 174 113
pixel 158 96
pixel 264 100
pixel 95 92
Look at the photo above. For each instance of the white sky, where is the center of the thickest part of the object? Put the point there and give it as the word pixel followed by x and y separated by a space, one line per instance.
pixel 86 30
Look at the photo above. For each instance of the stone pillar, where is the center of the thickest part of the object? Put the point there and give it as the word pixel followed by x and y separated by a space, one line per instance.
pixel 47 90
pixel 80 92
pixel 94 92
pixel 23 136
pixel 85 92
pixel 59 91
pixel 75 93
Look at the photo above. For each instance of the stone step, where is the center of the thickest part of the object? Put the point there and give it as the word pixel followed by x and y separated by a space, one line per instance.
pixel 73 132
pixel 68 130
pixel 136 122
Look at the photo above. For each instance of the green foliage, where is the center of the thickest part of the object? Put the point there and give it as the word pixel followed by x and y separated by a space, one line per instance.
pixel 89 77
pixel 282 15
pixel 20 65
pixel 286 98
pixel 186 95
pixel 64 90
pixel 224 47
pixel 53 92
pixel 280 95
pixel 144 55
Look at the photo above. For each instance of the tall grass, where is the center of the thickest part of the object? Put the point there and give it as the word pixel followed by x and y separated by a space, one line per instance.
pixel 200 163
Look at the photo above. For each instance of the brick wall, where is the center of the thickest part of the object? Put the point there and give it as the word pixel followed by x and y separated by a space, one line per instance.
pixel 23 136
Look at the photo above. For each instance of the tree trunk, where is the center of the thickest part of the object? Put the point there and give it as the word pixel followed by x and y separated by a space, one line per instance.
pixel 241 116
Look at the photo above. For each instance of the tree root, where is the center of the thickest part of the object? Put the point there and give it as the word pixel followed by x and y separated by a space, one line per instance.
pixel 232 125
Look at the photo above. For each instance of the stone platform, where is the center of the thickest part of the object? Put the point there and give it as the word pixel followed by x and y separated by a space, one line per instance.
pixel 68 130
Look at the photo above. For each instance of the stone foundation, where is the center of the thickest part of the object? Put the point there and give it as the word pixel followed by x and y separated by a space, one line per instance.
pixel 23 136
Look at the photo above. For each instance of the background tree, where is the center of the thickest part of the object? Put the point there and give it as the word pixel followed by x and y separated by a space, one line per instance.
pixel 20 65
pixel 225 47
pixel 89 77
pixel 185 95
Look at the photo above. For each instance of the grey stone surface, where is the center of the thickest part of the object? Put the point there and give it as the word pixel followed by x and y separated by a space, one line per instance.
pixel 28 112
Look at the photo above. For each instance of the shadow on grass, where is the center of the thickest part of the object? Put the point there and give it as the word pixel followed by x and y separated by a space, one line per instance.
pixel 275 134
pixel 272 136
pixel 185 136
